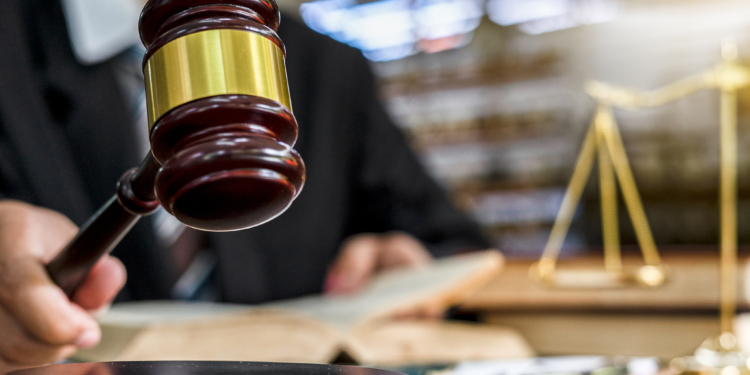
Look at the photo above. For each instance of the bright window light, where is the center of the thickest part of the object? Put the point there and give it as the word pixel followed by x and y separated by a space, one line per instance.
pixel 393 29
pixel 541 16
pixel 513 12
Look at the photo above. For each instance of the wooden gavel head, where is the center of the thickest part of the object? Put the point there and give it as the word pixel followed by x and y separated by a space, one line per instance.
pixel 219 112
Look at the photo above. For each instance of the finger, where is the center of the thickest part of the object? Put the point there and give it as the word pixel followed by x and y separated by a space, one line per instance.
pixel 28 294
pixel 17 347
pixel 354 266
pixel 7 367
pixel 431 311
pixel 404 314
pixel 59 231
pixel 102 284
pixel 402 250
pixel 31 231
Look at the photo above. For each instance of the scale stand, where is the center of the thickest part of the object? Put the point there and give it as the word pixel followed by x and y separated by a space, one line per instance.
pixel 721 355
pixel 718 355
pixel 603 139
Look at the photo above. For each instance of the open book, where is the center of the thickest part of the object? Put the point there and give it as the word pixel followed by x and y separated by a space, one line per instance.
pixel 318 329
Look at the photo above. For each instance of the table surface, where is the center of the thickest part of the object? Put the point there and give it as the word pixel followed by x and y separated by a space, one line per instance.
pixel 693 285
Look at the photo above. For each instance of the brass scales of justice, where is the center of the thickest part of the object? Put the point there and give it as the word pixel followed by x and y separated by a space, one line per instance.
pixel 718 355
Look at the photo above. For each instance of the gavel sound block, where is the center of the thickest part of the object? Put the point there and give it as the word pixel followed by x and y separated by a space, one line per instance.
pixel 221 128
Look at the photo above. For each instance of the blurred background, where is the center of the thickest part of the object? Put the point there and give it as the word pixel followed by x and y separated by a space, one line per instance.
pixel 490 95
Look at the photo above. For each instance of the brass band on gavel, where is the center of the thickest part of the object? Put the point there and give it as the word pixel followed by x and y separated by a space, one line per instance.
pixel 211 63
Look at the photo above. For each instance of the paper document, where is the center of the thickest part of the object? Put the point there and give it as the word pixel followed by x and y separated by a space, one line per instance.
pixel 560 365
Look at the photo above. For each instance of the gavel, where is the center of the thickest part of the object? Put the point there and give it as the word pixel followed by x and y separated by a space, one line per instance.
pixel 220 125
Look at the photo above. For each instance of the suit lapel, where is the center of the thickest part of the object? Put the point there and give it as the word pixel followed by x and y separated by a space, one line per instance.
pixel 99 127
pixel 41 145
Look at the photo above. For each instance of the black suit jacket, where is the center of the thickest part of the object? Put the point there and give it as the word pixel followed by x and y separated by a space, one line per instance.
pixel 65 138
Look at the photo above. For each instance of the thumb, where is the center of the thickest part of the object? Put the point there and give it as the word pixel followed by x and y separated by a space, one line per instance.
pixel 354 266
pixel 44 309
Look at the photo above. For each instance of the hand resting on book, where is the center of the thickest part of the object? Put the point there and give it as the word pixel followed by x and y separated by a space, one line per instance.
pixel 363 255
pixel 38 324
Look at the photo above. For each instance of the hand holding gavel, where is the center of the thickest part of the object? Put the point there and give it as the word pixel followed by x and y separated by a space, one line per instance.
pixel 221 128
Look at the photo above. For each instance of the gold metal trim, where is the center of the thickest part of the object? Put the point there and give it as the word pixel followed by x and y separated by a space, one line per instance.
pixel 603 138
pixel 214 62
pixel 718 353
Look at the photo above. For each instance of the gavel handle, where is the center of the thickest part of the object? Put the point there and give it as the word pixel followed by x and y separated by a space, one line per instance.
pixel 103 231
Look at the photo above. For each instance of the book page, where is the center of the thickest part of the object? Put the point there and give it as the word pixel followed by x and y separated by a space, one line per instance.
pixel 136 314
pixel 204 331
pixel 409 342
pixel 444 282
pixel 257 335
pixel 311 328
pixel 561 365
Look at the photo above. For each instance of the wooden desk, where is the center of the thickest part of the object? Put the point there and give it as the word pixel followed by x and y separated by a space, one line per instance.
pixel 668 321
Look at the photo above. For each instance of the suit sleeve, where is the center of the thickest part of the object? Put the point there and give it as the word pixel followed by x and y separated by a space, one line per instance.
pixel 394 192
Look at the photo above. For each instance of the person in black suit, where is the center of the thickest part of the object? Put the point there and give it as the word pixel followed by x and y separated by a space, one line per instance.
pixel 66 135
